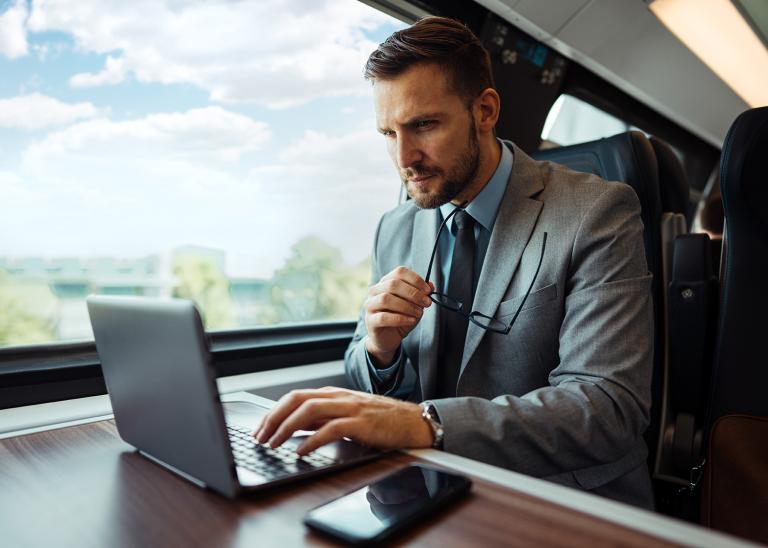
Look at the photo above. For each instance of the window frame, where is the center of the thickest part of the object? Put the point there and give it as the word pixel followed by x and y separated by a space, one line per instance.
pixel 59 371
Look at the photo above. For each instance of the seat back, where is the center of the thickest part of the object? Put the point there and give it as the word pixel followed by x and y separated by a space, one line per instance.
pixel 740 370
pixel 673 183
pixel 674 196
pixel 629 158
pixel 738 406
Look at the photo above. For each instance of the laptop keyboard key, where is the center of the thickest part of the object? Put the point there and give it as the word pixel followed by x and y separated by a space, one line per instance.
pixel 270 463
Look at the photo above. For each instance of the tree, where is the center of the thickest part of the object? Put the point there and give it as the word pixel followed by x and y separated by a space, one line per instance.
pixel 315 284
pixel 201 280
pixel 28 311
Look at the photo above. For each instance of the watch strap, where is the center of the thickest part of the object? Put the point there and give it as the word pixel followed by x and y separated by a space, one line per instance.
pixel 430 416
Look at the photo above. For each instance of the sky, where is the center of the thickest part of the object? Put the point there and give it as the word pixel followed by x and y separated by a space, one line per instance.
pixel 130 128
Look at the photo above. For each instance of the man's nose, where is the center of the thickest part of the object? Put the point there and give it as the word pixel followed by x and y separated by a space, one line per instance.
pixel 408 153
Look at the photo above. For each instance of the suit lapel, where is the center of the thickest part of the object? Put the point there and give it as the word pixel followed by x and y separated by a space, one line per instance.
pixel 513 227
pixel 425 226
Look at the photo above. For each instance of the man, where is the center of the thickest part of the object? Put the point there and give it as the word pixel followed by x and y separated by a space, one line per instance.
pixel 564 393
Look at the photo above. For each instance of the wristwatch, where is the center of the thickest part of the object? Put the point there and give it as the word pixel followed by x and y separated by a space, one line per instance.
pixel 429 414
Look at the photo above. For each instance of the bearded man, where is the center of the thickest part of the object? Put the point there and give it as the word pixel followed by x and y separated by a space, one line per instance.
pixel 509 318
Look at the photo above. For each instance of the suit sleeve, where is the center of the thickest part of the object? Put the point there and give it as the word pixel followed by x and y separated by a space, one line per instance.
pixel 596 406
pixel 358 367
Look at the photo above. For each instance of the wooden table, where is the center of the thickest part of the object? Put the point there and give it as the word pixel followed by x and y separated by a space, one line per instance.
pixel 83 486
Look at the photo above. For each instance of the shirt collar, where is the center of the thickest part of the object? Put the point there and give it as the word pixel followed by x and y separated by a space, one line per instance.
pixel 485 206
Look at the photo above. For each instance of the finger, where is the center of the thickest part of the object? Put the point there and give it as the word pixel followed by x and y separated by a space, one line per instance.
pixel 388 319
pixel 334 390
pixel 388 302
pixel 284 407
pixel 309 413
pixel 408 276
pixel 332 431
pixel 405 291
pixel 259 426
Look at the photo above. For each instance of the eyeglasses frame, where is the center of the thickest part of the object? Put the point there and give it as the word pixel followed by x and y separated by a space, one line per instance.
pixel 470 316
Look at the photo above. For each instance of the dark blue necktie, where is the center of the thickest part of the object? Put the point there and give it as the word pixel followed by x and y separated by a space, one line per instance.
pixel 453 325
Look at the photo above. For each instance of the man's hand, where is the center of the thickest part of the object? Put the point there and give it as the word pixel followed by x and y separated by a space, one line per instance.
pixel 393 308
pixel 336 413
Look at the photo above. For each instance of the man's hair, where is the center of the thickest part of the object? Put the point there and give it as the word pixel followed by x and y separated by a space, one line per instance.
pixel 440 41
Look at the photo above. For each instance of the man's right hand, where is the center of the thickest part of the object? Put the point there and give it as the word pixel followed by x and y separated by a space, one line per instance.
pixel 393 308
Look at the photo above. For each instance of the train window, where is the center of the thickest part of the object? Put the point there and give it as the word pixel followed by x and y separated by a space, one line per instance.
pixel 571 121
pixel 220 151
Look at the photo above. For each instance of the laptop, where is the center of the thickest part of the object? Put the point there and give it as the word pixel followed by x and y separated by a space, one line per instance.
pixel 158 371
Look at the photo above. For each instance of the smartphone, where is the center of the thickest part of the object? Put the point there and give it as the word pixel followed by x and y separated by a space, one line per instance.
pixel 382 509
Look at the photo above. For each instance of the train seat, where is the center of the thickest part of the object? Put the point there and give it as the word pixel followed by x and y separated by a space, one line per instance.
pixel 736 478
pixel 740 374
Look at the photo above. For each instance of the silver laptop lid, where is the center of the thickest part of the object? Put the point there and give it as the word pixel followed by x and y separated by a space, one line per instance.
pixel 162 386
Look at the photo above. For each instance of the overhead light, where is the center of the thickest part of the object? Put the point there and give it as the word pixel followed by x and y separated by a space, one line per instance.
pixel 716 33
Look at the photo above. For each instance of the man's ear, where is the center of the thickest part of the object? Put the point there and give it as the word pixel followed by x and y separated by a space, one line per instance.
pixel 487 106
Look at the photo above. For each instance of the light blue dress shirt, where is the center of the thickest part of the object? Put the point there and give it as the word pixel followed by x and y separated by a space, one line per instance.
pixel 483 210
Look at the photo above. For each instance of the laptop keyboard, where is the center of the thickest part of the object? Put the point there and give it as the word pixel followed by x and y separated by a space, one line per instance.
pixel 267 462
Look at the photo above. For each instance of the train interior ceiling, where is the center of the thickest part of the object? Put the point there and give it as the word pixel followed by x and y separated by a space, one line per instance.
pixel 606 60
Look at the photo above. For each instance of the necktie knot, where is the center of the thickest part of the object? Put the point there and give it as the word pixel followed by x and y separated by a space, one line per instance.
pixel 463 220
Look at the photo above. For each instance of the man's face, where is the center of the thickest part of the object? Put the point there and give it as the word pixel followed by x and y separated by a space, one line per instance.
pixel 430 132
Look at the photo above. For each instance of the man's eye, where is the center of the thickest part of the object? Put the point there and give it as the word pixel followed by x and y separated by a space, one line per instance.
pixel 388 133
pixel 421 124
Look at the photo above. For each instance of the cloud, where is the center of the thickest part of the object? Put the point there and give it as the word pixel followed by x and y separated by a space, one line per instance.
pixel 335 187
pixel 17 194
pixel 132 187
pixel 206 176
pixel 129 188
pixel 114 73
pixel 13 35
pixel 36 111
pixel 267 52
pixel 197 135
pixel 9 181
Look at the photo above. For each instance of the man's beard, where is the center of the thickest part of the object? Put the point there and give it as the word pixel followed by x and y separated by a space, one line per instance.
pixel 459 177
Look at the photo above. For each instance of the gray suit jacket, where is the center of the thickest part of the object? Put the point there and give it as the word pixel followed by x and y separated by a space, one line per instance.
pixel 564 396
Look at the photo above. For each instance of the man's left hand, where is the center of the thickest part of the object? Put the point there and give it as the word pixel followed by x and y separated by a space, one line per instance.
pixel 376 421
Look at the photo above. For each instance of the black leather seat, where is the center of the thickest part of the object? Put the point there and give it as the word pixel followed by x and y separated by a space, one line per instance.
pixel 673 183
pixel 629 158
pixel 734 481
pixel 740 369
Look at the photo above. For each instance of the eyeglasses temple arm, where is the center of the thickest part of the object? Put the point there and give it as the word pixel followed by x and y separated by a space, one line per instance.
pixel 437 240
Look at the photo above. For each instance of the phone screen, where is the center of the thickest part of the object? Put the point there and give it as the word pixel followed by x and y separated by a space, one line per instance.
pixel 387 506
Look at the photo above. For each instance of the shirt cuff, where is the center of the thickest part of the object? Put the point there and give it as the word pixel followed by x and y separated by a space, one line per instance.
pixel 384 376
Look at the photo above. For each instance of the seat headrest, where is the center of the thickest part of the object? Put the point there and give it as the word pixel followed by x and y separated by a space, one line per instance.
pixel 627 157
pixel 673 183
pixel 744 172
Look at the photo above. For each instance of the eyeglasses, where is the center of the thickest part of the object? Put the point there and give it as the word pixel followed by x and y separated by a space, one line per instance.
pixel 476 317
